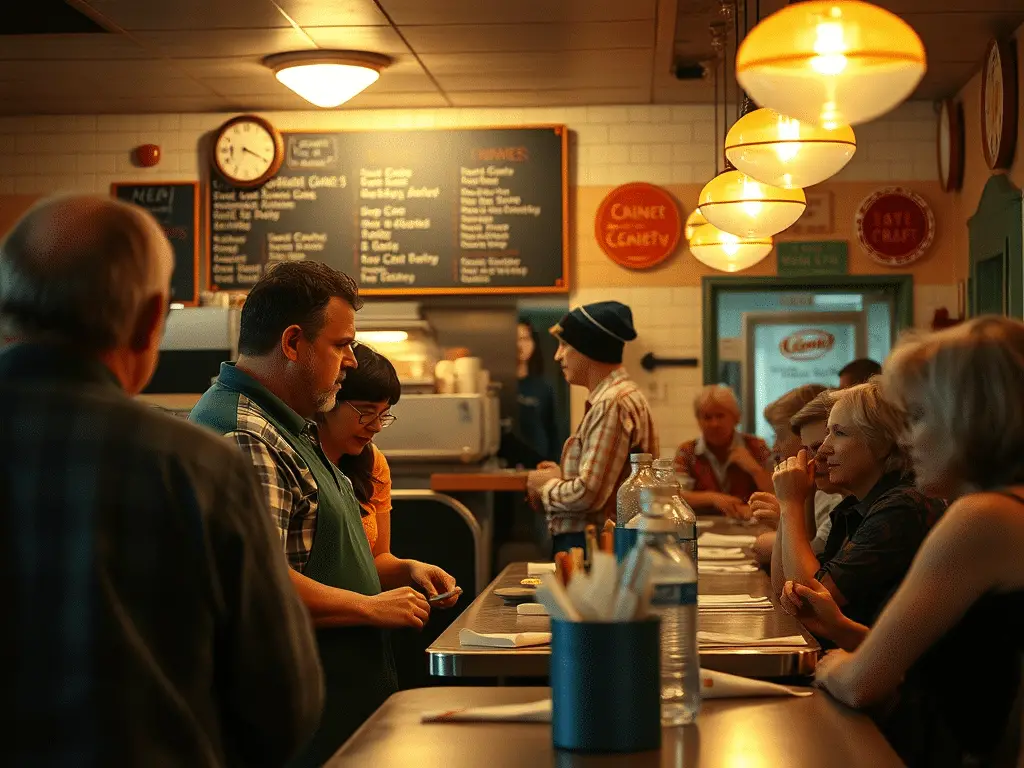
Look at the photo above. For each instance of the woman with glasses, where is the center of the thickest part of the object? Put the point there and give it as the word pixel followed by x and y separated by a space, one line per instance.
pixel 363 409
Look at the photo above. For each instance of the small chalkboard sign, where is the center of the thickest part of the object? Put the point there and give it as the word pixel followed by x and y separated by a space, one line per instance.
pixel 175 205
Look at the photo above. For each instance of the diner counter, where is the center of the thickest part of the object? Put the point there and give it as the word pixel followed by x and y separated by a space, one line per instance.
pixel 480 480
pixel 807 732
pixel 489 613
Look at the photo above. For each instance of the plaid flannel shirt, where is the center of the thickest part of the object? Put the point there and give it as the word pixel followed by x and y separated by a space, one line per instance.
pixel 595 459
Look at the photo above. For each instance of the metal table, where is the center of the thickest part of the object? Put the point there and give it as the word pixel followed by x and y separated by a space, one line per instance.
pixel 805 732
pixel 488 613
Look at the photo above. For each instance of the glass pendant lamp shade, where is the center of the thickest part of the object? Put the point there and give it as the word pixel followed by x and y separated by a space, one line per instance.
pixel 693 222
pixel 831 62
pixel 784 152
pixel 745 207
pixel 726 252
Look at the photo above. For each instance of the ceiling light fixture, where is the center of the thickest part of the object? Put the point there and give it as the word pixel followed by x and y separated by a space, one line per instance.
pixel 327 78
pixel 788 153
pixel 831 62
pixel 694 222
pixel 727 252
pixel 736 203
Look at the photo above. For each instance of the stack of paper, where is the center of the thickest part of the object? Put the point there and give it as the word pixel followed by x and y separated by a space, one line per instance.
pixel 724 540
pixel 726 568
pixel 720 553
pixel 707 639
pixel 732 603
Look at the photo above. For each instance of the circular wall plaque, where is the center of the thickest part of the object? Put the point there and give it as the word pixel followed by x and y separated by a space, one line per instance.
pixel 999 104
pixel 638 225
pixel 949 145
pixel 895 226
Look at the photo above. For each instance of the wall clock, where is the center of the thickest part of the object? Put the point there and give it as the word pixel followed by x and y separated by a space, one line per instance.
pixel 247 151
pixel 950 145
pixel 999 104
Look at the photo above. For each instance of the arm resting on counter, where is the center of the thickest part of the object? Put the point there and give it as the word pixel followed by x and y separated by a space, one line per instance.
pixel 328 606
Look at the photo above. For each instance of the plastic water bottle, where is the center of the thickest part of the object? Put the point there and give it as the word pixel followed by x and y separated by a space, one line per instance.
pixel 665 474
pixel 674 601
pixel 628 504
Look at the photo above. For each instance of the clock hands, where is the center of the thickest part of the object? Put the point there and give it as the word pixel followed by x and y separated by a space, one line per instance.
pixel 254 154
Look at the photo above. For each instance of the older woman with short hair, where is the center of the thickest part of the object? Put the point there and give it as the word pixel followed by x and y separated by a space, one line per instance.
pixel 964 593
pixel 724 466
pixel 876 529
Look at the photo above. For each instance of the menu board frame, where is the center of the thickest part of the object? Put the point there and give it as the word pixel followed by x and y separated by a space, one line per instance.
pixel 197 198
pixel 565 284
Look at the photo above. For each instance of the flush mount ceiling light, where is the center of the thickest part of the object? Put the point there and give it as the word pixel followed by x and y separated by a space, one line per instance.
pixel 745 207
pixel 726 252
pixel 831 62
pixel 786 152
pixel 327 78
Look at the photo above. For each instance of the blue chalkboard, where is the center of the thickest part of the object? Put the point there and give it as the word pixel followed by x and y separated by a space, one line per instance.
pixel 175 204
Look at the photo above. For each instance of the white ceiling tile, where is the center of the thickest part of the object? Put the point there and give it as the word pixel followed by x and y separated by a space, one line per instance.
pixel 463 38
pixel 544 70
pixel 541 98
pixel 376 39
pixel 405 12
pixel 189 14
pixel 268 85
pixel 29 47
pixel 224 42
pixel 333 13
pixel 368 100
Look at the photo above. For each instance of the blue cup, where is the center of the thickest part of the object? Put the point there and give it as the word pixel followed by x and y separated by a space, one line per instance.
pixel 605 686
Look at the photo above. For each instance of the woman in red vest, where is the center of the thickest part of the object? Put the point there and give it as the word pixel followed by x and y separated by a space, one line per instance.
pixel 724 466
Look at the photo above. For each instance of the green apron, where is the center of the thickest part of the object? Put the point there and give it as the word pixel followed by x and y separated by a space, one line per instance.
pixel 359 670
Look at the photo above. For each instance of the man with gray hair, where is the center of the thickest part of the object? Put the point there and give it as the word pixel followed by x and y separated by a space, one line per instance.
pixel 149 620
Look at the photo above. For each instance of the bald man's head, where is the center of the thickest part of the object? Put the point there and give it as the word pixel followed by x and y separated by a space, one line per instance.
pixel 80 269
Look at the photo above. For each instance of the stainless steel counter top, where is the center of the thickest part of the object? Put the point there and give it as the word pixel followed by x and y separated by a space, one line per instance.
pixel 808 732
pixel 489 613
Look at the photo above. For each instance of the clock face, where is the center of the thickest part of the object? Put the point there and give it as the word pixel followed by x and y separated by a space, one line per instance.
pixel 950 145
pixel 999 104
pixel 247 151
pixel 993 106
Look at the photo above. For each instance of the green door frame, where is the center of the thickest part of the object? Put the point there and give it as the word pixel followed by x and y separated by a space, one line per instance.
pixel 997 229
pixel 899 287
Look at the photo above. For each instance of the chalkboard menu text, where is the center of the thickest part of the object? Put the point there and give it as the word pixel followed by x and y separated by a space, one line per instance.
pixel 175 205
pixel 404 212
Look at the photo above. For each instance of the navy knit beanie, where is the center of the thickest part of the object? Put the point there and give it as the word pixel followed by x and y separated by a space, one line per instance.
pixel 599 330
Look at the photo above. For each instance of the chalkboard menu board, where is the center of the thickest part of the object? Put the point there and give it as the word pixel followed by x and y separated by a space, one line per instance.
pixel 175 205
pixel 404 212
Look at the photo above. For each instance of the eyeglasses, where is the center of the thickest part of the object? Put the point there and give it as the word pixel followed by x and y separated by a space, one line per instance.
pixel 386 419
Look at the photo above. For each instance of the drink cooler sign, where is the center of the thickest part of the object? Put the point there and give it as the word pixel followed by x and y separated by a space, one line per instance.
pixel 638 225
pixel 895 226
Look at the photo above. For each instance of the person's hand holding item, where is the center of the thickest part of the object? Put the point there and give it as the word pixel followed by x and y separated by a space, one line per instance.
pixel 730 506
pixel 548 465
pixel 434 581
pixel 398 608
pixel 794 481
pixel 537 479
pixel 765 508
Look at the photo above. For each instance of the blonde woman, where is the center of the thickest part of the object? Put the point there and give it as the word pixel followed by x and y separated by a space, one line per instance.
pixel 724 466
pixel 876 529
pixel 954 631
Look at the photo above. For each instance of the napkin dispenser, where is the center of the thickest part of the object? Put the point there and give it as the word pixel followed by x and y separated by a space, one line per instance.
pixel 439 428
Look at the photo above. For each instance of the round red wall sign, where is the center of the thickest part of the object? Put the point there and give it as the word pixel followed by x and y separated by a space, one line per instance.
pixel 895 226
pixel 638 225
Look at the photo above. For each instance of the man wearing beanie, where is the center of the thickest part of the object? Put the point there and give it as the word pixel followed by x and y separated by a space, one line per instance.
pixel 617 421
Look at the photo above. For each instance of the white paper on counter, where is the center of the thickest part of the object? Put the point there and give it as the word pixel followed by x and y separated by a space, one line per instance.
pixel 710 539
pixel 720 685
pixel 536 569
pixel 726 639
pixel 498 640
pixel 532 712
pixel 720 553
pixel 531 609
pixel 726 568
pixel 732 602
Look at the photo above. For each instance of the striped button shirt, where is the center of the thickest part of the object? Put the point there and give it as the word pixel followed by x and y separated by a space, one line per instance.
pixel 595 460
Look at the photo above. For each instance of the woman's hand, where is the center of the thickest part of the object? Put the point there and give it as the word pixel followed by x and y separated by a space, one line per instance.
pixel 764 508
pixel 814 606
pixel 397 609
pixel 794 479
pixel 548 465
pixel 433 581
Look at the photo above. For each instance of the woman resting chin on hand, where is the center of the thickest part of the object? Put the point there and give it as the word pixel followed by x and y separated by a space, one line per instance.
pixel 363 409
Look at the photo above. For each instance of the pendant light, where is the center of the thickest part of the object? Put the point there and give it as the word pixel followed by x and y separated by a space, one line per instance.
pixel 831 62
pixel 727 252
pixel 736 203
pixel 327 78
pixel 693 222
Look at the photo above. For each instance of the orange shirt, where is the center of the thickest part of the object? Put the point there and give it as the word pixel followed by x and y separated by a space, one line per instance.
pixel 380 501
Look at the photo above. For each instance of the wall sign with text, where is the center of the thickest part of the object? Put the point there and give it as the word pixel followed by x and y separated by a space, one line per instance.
pixel 895 226
pixel 638 225
pixel 458 211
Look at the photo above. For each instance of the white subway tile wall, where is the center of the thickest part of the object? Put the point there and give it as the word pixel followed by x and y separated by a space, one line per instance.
pixel 610 145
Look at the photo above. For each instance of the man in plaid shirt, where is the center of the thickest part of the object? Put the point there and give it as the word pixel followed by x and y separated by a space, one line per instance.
pixel 148 619
pixel 617 422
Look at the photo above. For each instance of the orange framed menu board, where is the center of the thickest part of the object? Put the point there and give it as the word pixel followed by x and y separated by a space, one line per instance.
pixel 458 211
pixel 175 205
